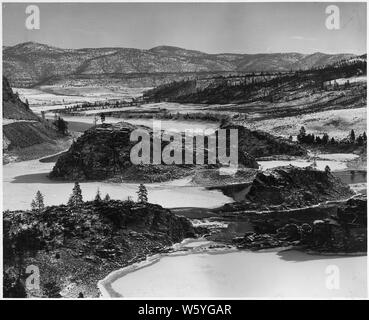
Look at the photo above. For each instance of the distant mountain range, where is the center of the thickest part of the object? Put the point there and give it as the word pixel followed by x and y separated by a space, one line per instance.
pixel 30 63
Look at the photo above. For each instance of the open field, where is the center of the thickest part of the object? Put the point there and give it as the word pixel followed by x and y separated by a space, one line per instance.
pixel 42 97
pixel 337 123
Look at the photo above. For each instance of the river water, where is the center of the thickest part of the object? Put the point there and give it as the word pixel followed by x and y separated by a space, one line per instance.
pixel 21 181
pixel 241 274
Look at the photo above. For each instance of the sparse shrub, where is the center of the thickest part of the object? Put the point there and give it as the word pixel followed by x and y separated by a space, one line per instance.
pixel 130 201
pixel 98 196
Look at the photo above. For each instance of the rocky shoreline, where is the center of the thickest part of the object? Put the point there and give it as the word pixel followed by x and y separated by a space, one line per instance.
pixel 74 247
pixel 336 228
pixel 292 236
pixel 105 284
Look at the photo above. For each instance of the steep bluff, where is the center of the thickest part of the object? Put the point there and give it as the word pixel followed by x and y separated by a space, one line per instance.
pixel 21 127
pixel 13 107
pixel 101 152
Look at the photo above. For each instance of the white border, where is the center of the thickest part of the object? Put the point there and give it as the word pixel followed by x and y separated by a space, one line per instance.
pixel 153 1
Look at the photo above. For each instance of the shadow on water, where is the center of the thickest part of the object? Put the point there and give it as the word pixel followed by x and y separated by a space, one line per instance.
pixel 35 178
pixel 236 191
pixel 298 256
pixel 351 176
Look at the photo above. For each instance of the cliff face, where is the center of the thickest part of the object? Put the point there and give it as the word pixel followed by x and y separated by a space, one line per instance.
pixel 13 107
pixel 262 144
pixel 79 246
pixel 21 127
pixel 101 152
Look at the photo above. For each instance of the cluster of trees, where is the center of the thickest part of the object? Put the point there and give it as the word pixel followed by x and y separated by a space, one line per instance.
pixel 266 86
pixel 360 140
pixel 204 116
pixel 100 105
pixel 61 125
pixel 76 198
pixel 310 138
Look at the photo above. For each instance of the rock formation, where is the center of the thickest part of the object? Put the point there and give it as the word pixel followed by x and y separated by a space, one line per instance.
pixel 262 144
pixel 79 246
pixel 103 152
pixel 345 230
pixel 287 188
pixel 296 187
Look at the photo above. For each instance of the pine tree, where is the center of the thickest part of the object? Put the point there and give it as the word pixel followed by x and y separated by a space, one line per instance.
pixel 61 125
pixel 38 202
pixel 33 205
pixel 107 197
pixel 360 140
pixel 301 136
pixel 327 169
pixel 75 199
pixel 142 193
pixel 352 136
pixel 325 138
pixel 98 196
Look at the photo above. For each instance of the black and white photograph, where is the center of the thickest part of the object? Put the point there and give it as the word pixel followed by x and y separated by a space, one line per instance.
pixel 193 150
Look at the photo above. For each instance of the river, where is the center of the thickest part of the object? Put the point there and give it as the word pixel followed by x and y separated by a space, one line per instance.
pixel 240 274
pixel 21 181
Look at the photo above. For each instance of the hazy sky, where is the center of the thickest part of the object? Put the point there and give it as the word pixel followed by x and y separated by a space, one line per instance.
pixel 208 27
